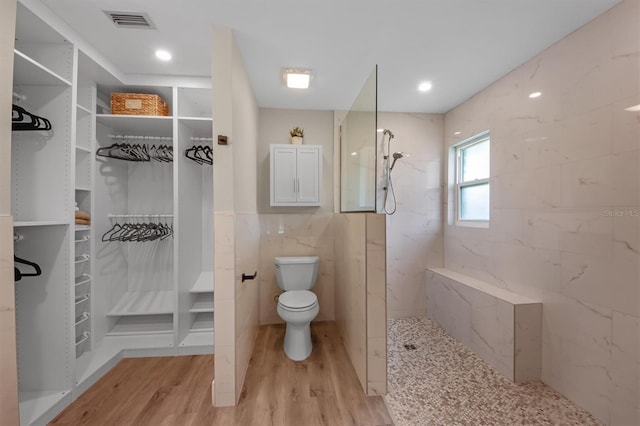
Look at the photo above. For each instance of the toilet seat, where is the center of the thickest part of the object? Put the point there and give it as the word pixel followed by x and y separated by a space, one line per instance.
pixel 298 300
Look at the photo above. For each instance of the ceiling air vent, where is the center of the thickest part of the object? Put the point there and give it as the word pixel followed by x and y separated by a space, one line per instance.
pixel 130 20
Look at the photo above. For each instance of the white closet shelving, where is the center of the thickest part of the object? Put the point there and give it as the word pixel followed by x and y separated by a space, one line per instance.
pixel 98 301
pixel 41 177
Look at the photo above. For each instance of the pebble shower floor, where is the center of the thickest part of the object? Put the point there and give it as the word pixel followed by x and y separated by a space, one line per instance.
pixel 434 380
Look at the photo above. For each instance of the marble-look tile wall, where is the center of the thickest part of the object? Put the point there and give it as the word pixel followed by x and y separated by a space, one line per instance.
pixel 236 225
pixel 296 235
pixel 247 227
pixel 414 232
pixel 376 305
pixel 564 206
pixel 351 288
pixel 224 309
pixel 360 281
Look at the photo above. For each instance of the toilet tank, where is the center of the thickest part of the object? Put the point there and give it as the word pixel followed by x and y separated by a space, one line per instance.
pixel 297 273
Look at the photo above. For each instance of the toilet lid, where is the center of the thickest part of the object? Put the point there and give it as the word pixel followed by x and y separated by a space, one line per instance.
pixel 297 299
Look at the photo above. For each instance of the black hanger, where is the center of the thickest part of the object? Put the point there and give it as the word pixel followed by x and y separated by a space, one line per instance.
pixel 19 274
pixel 21 119
pixel 201 154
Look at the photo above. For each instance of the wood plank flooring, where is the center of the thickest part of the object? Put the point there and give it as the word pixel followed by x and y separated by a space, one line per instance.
pixel 176 391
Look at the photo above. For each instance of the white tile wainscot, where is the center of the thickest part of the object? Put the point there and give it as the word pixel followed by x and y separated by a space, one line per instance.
pixel 501 327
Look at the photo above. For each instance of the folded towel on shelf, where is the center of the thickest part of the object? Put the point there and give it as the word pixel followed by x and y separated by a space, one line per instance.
pixel 82 222
pixel 83 215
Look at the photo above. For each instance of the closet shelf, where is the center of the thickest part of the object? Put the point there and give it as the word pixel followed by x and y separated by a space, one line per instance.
pixel 83 149
pixel 27 71
pixel 83 109
pixel 137 124
pixel 202 306
pixel 199 339
pixel 144 303
pixel 83 279
pixel 203 322
pixel 82 258
pixel 204 283
pixel 136 325
pixel 79 188
pixel 83 228
pixel 34 405
pixel 39 223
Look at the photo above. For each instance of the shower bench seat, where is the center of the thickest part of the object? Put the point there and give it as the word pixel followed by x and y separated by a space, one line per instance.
pixel 501 327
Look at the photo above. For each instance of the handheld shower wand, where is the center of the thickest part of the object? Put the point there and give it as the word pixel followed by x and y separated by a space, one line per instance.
pixel 396 157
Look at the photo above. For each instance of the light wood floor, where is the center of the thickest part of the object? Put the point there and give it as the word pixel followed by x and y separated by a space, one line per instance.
pixel 176 391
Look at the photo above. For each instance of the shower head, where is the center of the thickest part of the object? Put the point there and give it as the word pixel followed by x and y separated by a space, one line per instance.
pixel 396 157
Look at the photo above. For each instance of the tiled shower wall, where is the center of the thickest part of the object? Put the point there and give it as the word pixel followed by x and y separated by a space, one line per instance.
pixel 564 208
pixel 414 231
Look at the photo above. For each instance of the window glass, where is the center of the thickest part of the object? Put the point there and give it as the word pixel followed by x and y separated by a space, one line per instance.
pixel 475 161
pixel 474 202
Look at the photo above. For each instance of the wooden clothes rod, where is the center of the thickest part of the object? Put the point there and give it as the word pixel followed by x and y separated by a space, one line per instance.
pixel 144 138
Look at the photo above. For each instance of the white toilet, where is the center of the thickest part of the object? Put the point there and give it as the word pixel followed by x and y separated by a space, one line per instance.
pixel 297 306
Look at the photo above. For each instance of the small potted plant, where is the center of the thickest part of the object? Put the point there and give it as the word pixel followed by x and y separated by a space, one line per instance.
pixel 297 135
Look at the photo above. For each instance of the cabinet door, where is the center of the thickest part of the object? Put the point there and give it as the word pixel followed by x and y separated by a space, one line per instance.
pixel 308 180
pixel 283 176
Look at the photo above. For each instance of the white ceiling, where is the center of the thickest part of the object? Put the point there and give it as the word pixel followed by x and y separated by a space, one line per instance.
pixel 461 46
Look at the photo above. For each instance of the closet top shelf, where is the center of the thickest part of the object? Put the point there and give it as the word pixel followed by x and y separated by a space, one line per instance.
pixel 21 224
pixel 29 72
pixel 137 124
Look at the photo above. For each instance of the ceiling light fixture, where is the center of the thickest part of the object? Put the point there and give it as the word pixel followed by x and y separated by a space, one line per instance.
pixel 635 108
pixel 535 95
pixel 380 130
pixel 457 133
pixel 163 55
pixel 425 86
pixel 297 78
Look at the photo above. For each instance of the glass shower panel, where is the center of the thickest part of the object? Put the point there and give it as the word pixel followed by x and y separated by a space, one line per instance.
pixel 358 151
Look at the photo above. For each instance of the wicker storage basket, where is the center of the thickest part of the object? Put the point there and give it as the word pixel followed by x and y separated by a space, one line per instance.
pixel 138 104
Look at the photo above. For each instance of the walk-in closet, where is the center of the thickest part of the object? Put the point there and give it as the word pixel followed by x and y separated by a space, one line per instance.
pixel 113 231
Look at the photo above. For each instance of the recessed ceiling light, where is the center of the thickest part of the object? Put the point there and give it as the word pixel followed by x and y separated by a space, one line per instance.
pixel 296 78
pixel 425 86
pixel 380 130
pixel 535 95
pixel 163 55
pixel 354 153
pixel 457 133
pixel 634 108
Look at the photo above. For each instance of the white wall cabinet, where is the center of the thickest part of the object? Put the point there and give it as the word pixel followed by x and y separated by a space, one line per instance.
pixel 296 175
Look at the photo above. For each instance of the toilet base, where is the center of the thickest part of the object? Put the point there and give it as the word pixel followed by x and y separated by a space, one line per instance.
pixel 297 341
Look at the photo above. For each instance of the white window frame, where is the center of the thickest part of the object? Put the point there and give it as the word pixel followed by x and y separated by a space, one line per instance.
pixel 459 184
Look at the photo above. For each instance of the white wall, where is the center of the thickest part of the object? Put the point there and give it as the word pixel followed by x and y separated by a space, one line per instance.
pixel 414 232
pixel 8 360
pixel 565 191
